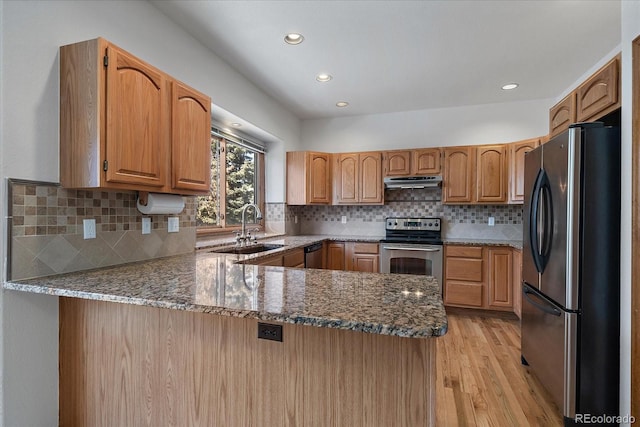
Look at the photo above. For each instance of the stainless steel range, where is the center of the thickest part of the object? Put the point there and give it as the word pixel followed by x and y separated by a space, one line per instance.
pixel 412 246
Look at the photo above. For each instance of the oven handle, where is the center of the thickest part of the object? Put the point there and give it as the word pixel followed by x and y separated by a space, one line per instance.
pixel 410 249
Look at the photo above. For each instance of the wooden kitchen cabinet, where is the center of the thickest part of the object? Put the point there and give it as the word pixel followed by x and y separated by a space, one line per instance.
pixel 358 178
pixel 562 115
pixel 491 174
pixel 335 256
pixel 599 95
pixel 517 150
pixel 596 97
pixel 464 284
pixel 426 161
pixel 122 121
pixel 308 178
pixel 459 174
pixel 417 162
pixel 360 256
pixel 517 282
pixel 294 259
pixel 397 163
pixel 499 278
pixel 191 138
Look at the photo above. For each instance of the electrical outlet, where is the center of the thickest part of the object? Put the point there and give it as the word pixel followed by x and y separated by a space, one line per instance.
pixel 268 331
pixel 492 221
pixel 146 225
pixel 344 219
pixel 89 227
pixel 174 224
pixel 295 219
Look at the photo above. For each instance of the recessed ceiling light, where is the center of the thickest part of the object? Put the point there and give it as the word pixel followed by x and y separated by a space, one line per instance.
pixel 342 104
pixel 236 124
pixel 323 77
pixel 293 38
pixel 510 86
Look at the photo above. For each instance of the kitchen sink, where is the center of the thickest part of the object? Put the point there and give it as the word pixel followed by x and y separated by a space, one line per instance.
pixel 245 250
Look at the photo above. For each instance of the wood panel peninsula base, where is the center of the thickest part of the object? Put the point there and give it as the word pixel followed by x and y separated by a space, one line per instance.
pixel 125 365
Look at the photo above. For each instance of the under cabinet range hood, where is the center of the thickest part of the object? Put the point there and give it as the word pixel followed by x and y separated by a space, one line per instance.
pixel 398 183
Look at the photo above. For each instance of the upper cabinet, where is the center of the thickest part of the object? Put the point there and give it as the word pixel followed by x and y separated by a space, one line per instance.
pixel 426 161
pixel 459 174
pixel 308 178
pixel 127 125
pixel 422 161
pixel 491 174
pixel 562 115
pixel 598 96
pixel 517 150
pixel 191 138
pixel 358 178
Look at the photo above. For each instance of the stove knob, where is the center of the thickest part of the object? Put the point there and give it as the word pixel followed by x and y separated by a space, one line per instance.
pixel 430 224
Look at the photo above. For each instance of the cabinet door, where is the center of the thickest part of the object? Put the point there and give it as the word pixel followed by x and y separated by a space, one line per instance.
pixel 562 115
pixel 517 282
pixel 459 172
pixel 599 94
pixel 426 161
pixel 335 256
pixel 319 178
pixel 138 126
pixel 191 139
pixel 362 257
pixel 491 179
pixel 517 150
pixel 346 178
pixel 370 177
pixel 500 279
pixel 365 262
pixel 397 163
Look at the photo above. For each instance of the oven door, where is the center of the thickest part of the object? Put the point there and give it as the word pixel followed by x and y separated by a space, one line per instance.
pixel 410 258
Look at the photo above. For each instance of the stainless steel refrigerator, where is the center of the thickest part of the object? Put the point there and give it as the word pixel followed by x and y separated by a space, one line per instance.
pixel 571 269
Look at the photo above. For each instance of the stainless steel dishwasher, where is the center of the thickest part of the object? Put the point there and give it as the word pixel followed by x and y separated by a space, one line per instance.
pixel 313 256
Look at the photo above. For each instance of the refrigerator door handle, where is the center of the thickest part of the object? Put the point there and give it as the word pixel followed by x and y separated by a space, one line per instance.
pixel 546 307
pixel 547 222
pixel 534 221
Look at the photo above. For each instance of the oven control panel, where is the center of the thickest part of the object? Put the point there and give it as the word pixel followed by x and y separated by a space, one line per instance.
pixel 421 224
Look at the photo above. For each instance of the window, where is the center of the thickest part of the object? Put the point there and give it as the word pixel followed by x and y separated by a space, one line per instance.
pixel 237 177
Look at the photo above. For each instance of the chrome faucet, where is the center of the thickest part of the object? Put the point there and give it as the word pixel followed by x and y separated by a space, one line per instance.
pixel 243 237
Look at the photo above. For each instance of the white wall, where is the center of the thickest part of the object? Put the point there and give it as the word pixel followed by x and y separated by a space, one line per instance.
pixel 630 15
pixel 469 125
pixel 31 32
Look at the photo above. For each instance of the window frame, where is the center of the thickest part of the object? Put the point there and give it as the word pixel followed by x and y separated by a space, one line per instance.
pixel 204 230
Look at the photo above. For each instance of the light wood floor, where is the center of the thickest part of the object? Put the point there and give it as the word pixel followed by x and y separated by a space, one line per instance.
pixel 480 380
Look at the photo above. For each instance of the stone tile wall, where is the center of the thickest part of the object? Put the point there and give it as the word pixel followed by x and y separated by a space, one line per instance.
pixel 46 228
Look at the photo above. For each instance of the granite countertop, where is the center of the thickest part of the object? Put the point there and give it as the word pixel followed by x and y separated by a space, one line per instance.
pixel 516 244
pixel 208 282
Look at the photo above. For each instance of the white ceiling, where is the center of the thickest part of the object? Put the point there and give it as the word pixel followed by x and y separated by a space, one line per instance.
pixel 390 56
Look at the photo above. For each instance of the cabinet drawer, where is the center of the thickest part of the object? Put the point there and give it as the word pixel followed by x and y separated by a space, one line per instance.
pixel 468 294
pixel 365 248
pixel 465 269
pixel 464 251
pixel 293 259
pixel 275 261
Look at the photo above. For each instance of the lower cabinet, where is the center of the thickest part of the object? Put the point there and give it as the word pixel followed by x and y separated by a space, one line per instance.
pixel 352 256
pixel 290 259
pixel 481 277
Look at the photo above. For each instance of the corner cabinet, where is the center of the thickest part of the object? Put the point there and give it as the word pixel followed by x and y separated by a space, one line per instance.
pixel 562 115
pixel 308 178
pixel 358 179
pixel 126 125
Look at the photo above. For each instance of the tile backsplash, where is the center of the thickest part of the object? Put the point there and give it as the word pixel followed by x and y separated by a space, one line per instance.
pixel 46 225
pixel 459 221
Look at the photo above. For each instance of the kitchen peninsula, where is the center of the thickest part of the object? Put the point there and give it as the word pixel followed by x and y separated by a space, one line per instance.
pixel 173 341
